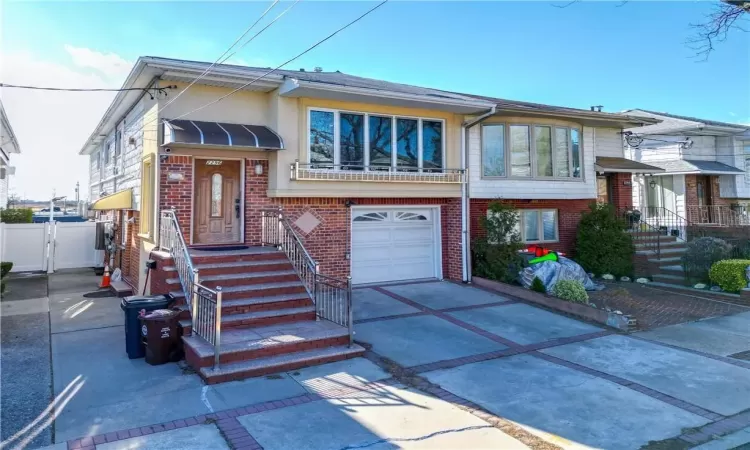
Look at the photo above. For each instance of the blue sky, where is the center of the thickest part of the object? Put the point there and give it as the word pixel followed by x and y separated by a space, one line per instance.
pixel 588 53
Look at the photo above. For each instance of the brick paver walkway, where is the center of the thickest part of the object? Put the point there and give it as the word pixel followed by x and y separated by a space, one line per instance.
pixel 653 307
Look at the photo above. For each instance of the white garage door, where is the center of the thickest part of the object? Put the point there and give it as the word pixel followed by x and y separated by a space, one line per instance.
pixel 391 244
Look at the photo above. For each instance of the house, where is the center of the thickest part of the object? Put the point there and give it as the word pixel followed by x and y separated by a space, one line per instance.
pixel 705 179
pixel 551 163
pixel 261 190
pixel 8 145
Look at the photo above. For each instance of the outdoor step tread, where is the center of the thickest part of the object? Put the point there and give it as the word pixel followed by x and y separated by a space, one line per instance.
pixel 669 277
pixel 231 318
pixel 673 268
pixel 262 300
pixel 282 360
pixel 234 276
pixel 261 286
pixel 663 250
pixel 233 264
pixel 668 259
pixel 197 252
pixel 258 338
pixel 663 244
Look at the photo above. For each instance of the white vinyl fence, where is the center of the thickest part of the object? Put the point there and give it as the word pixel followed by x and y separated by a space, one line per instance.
pixel 34 246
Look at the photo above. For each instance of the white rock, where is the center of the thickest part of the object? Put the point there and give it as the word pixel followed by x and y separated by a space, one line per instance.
pixel 593 305
pixel 716 288
pixel 608 276
pixel 642 280
pixel 618 312
pixel 624 278
pixel 700 286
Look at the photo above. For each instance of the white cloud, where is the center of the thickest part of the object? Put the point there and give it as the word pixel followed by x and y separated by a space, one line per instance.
pixel 110 64
pixel 52 126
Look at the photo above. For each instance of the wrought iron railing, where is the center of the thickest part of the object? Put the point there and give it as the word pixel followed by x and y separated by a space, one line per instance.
pixel 171 240
pixel 206 315
pixel 332 297
pixel 716 215
pixel 374 172
pixel 644 235
pixel 666 221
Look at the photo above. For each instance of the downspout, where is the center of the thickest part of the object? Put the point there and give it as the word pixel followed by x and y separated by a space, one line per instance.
pixel 465 204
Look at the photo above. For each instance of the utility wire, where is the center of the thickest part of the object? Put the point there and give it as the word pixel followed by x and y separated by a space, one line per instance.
pixel 286 62
pixel 219 60
pixel 45 88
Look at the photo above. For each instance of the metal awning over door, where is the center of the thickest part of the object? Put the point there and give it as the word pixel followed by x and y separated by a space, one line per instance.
pixel 213 134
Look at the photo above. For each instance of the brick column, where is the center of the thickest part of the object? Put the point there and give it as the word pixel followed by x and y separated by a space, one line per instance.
pixel 178 191
pixel 622 190
pixel 256 187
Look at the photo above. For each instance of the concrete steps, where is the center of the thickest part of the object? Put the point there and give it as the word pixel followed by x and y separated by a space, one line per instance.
pixel 268 319
pixel 279 363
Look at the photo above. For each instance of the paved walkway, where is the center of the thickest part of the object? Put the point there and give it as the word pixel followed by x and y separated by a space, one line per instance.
pixel 654 307
pixel 449 366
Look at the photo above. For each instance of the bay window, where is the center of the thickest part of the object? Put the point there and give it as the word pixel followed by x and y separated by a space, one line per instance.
pixel 535 151
pixel 360 141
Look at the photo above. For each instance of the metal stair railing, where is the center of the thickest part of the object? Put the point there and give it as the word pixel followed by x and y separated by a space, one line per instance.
pixel 172 241
pixel 331 296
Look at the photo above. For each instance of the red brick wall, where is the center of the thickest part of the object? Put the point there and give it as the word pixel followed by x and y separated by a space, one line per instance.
pixel 177 193
pixel 622 190
pixel 568 216
pixel 255 199
pixel 691 191
pixel 134 250
pixel 159 276
pixel 329 243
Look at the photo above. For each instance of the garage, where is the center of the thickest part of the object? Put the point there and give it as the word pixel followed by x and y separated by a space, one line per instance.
pixel 395 243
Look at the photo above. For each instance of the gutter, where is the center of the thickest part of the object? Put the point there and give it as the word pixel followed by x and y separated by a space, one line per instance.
pixel 465 201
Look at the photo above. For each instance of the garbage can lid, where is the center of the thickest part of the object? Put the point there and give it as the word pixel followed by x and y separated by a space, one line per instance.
pixel 139 301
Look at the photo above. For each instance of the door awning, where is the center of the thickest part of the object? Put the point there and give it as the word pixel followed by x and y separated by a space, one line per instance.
pixel 119 200
pixel 216 134
pixel 698 167
pixel 623 165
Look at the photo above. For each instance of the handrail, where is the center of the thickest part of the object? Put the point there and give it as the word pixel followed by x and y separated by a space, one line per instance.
pixel 171 240
pixel 667 221
pixel 206 317
pixel 331 296
pixel 650 240
pixel 718 215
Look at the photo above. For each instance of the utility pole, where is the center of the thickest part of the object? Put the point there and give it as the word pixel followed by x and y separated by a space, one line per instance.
pixel 78 184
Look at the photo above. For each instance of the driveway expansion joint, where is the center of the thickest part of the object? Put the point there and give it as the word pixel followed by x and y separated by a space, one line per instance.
pixel 732 361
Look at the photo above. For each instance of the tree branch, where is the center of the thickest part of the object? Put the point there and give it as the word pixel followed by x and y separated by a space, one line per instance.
pixel 717 27
pixel 566 5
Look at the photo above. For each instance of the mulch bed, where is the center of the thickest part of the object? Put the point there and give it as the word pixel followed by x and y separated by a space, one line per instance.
pixel 654 307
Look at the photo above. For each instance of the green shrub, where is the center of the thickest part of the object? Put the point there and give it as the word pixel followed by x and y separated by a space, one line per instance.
pixel 730 274
pixel 16 215
pixel 701 254
pixel 495 255
pixel 570 290
pixel 538 286
pixel 5 268
pixel 602 244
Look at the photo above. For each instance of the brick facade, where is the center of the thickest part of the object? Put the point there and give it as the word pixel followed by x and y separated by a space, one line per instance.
pixel 691 191
pixel 568 216
pixel 622 190
pixel 329 242
pixel 127 257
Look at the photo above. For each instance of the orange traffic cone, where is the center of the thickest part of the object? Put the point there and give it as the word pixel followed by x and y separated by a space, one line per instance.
pixel 105 278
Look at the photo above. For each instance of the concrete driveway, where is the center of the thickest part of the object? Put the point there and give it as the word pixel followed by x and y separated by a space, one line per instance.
pixel 570 383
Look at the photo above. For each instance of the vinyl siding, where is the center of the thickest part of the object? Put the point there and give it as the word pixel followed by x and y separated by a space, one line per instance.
pixel 608 142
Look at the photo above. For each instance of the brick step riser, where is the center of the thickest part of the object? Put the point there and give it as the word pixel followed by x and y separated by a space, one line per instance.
pixel 271 257
pixel 262 371
pixel 267 321
pixel 280 349
pixel 268 292
pixel 268 267
pixel 270 306
pixel 250 280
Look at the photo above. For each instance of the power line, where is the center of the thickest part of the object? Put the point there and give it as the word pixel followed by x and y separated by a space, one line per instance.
pixel 219 59
pixel 45 88
pixel 286 62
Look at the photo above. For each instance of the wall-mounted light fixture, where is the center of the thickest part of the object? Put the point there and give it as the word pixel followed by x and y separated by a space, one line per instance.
pixel 259 169
pixel 652 183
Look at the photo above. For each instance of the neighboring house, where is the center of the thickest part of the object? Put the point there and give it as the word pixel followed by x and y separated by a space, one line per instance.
pixel 551 163
pixel 8 145
pixel 705 181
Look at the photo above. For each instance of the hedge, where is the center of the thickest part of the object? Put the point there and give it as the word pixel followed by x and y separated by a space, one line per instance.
pixel 729 274
pixel 570 290
pixel 17 215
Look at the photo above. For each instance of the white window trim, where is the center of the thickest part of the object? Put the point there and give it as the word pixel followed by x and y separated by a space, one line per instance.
pixel 532 152
pixel 394 137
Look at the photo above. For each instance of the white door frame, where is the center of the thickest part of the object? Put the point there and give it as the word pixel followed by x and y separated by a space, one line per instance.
pixel 242 195
pixel 436 232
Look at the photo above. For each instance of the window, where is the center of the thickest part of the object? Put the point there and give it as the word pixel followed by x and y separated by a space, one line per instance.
pixel 357 141
pixel 372 217
pixel 217 184
pixel 535 151
pixel 107 152
pixel 520 156
pixel 124 231
pixel 538 225
pixel 97 162
pixel 147 196
pixel 118 145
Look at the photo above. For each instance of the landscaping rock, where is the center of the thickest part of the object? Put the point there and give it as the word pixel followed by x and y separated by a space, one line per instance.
pixel 608 276
pixel 642 280
pixel 626 279
pixel 715 289
pixel 699 286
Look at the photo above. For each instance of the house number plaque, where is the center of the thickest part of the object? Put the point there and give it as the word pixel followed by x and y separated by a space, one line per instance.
pixel 214 162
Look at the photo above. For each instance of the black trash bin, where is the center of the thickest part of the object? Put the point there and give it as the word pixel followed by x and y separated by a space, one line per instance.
pixel 132 306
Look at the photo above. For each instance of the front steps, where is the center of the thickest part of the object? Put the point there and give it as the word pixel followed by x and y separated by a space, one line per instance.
pixel 667 265
pixel 268 319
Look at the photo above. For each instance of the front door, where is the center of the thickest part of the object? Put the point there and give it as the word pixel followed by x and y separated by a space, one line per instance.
pixel 217 201
pixel 604 189
pixel 703 187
